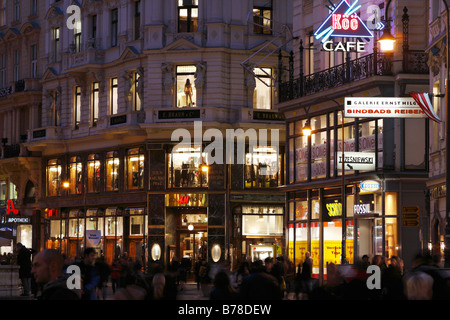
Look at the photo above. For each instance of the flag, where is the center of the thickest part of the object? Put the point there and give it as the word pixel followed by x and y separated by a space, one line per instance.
pixel 423 100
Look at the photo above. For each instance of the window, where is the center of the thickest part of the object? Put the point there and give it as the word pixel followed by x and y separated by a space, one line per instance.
pixel 53 177
pixel 262 97
pixel 34 61
pixel 93 35
pixel 75 175
pixel 16 65
pixel 262 20
pixel 34 7
pixel 56 44
pixel 262 220
pixel 137 221
pixel 112 171
pixel 137 20
pixel 114 26
pixel 262 168
pixel 186 91
pixel 77 36
pixel 137 99
pixel 135 168
pixel 93 173
pixel 114 96
pixel 16 10
pixel 187 15
pixel 2 12
pixel 3 71
pixel 95 102
pixel 309 54
pixel 77 109
pixel 188 168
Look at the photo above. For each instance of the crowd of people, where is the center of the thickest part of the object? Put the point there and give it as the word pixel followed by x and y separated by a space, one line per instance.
pixel 47 278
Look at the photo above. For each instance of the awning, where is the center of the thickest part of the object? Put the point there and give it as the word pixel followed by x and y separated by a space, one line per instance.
pixel 423 100
pixel 5 242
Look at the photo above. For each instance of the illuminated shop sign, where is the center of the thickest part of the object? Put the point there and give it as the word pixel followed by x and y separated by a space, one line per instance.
pixel 343 22
pixel 363 208
pixel 369 186
pixel 334 209
pixel 382 107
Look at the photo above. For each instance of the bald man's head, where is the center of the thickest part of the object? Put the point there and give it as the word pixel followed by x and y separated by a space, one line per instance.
pixel 47 266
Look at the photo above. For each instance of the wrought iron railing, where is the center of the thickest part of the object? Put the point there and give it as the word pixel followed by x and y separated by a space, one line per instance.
pixel 11 151
pixel 347 72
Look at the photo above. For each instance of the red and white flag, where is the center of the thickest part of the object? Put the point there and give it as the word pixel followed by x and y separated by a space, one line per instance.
pixel 424 102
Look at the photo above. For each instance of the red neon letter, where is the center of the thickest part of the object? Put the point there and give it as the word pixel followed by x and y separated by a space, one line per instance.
pixel 10 207
pixel 335 21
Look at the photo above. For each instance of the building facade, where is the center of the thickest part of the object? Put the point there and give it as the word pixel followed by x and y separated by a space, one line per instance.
pixel 330 210
pixel 115 83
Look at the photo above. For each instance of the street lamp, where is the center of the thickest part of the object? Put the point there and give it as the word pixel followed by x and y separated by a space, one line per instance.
pixel 387 40
pixel 306 130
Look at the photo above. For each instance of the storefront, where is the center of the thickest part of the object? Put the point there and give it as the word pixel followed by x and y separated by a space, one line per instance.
pixel 113 231
pixel 187 227
pixel 257 227
pixel 319 225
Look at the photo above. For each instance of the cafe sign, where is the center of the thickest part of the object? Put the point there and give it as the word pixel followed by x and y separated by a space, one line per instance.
pixel 343 22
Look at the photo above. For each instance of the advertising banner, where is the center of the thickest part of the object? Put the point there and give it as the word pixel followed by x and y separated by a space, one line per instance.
pixel 381 107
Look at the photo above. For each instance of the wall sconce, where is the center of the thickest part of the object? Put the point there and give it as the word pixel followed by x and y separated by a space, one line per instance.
pixel 4 141
pixel 306 130
pixel 387 41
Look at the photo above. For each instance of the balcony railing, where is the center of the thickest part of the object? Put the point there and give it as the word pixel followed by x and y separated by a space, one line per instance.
pixel 339 75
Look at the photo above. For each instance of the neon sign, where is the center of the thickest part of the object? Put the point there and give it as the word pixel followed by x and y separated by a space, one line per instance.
pixel 343 22
pixel 10 208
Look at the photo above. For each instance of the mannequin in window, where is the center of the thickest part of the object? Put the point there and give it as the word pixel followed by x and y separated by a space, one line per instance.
pixel 188 93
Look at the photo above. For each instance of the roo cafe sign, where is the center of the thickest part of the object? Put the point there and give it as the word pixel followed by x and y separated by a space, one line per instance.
pixel 344 22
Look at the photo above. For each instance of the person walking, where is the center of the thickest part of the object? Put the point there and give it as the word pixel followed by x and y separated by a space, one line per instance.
pixel 47 270
pixel 89 274
pixel 24 261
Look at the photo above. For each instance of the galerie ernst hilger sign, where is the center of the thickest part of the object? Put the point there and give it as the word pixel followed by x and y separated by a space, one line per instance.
pixel 404 107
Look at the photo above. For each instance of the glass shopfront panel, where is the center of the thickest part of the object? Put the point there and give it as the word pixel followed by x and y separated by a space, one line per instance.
pixel 315 247
pixel 75 175
pixel 112 171
pixel 332 237
pixel 301 242
pixel 135 169
pixel 262 168
pixel 188 167
pixel 53 177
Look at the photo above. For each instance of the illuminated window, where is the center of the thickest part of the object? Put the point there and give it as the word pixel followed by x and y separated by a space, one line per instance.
pixel 77 109
pixel 53 177
pixel 262 20
pixel 262 168
pixel 262 98
pixel 95 102
pixel 135 168
pixel 112 171
pixel 186 91
pixel 77 36
pixel 188 168
pixel 93 173
pixel 136 86
pixel 262 221
pixel 187 15
pixel 114 96
pixel 56 44
pixel 75 175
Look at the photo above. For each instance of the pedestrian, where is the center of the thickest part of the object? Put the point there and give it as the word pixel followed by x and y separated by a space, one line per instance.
pixel 158 287
pixel 306 274
pixel 419 286
pixel 129 289
pixel 89 274
pixel 205 280
pixel 24 261
pixel 104 271
pixel 259 285
pixel 392 280
pixel 116 269
pixel 222 289
pixel 47 270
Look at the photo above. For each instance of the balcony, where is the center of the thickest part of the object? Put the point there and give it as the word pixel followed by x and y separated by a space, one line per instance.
pixel 339 75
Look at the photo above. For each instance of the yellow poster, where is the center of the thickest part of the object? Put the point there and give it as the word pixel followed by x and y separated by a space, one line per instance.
pixel 332 251
pixel 349 251
pixel 315 253
pixel 300 249
pixel 291 250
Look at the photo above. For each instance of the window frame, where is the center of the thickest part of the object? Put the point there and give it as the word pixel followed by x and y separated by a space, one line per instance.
pixel 191 23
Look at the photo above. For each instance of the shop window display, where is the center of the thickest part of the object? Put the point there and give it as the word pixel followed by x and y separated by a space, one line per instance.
pixel 93 167
pixel 188 168
pixel 262 221
pixel 112 171
pixel 262 97
pixel 135 168
pixel 186 90
pixel 53 177
pixel 262 168
pixel 75 175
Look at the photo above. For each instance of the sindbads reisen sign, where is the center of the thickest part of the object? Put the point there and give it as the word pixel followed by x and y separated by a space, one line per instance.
pixel 356 160
pixel 370 107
